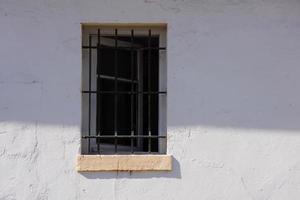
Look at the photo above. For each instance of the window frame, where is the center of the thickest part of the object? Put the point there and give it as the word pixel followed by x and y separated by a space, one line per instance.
pixel 157 29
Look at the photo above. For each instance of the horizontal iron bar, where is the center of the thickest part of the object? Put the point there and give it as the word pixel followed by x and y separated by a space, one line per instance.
pixel 124 136
pixel 125 48
pixel 122 92
pixel 127 152
pixel 111 36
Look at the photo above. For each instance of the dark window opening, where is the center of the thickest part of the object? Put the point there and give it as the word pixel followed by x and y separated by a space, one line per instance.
pixel 127 93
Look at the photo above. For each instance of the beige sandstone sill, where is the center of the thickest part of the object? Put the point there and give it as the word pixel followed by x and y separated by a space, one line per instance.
pixel 95 163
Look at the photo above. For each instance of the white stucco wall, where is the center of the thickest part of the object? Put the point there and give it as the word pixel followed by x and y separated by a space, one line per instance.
pixel 233 100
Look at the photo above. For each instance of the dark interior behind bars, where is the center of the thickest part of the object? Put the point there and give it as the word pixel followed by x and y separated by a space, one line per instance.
pixel 127 94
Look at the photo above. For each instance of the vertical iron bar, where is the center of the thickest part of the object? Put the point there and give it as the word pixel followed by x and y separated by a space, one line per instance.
pixel 139 100
pixel 131 96
pixel 149 89
pixel 98 89
pixel 90 83
pixel 116 88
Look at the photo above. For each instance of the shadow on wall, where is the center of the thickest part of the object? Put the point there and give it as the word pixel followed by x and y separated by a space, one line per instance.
pixel 222 72
pixel 240 78
pixel 175 173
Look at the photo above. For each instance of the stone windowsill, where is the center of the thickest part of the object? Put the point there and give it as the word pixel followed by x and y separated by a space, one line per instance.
pixel 94 163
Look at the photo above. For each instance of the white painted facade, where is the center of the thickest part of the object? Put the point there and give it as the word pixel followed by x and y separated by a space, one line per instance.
pixel 233 114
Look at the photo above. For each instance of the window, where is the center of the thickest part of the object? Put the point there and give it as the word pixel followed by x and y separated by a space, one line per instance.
pixel 123 89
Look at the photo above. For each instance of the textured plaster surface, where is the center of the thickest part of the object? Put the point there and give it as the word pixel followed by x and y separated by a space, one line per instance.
pixel 233 100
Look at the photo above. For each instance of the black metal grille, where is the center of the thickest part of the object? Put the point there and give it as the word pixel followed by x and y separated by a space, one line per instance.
pixel 134 103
